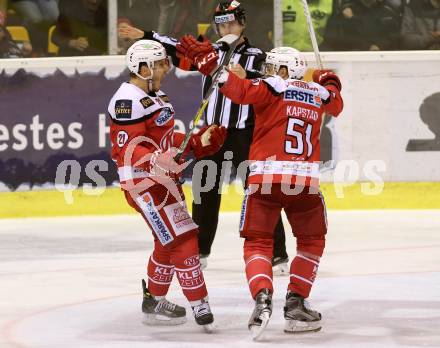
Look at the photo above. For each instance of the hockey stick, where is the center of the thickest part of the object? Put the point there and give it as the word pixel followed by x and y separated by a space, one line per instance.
pixel 314 41
pixel 232 41
pixel 324 167
pixel 312 34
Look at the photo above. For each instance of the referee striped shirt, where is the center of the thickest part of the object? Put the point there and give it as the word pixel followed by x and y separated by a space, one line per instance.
pixel 220 109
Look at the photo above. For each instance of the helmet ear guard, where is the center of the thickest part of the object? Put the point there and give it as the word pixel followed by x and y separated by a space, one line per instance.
pixel 288 57
pixel 144 51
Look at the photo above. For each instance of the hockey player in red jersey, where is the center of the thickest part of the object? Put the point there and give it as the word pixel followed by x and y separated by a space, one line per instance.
pixel 143 147
pixel 284 174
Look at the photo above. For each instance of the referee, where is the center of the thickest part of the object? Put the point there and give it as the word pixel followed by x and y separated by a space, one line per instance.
pixel 229 18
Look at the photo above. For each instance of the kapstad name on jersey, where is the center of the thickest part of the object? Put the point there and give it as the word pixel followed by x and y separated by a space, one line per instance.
pixel 297 111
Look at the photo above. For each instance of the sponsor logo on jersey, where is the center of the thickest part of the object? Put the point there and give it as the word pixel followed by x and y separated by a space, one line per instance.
pixel 164 116
pixel 255 82
pixel 140 172
pixel 302 84
pixel 190 279
pixel 164 270
pixel 164 279
pixel 179 218
pixel 167 271
pixel 192 261
pixel 243 212
pixel 146 102
pixel 158 225
pixel 165 98
pixel 302 96
pixel 123 108
pixel 162 273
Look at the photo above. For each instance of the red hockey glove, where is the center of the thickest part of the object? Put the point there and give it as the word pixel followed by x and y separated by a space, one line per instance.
pixel 208 141
pixel 189 47
pixel 206 63
pixel 202 54
pixel 184 62
pixel 327 77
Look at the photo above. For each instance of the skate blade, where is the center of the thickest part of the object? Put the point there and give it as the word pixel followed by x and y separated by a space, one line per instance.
pixel 281 270
pixel 161 320
pixel 297 326
pixel 209 328
pixel 258 330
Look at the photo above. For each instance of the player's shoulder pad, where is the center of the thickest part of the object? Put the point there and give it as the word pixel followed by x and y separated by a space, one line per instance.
pixel 123 107
pixel 275 84
pixel 321 90
pixel 131 105
pixel 151 104
pixel 164 98
pixel 308 87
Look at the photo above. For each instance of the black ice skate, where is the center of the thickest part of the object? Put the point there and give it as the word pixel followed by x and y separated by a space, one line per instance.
pixel 261 314
pixel 161 312
pixel 203 315
pixel 299 316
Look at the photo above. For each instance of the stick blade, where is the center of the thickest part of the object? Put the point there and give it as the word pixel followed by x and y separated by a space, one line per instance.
pixel 229 39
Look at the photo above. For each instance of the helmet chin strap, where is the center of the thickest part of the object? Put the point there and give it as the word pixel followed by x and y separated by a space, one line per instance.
pixel 150 85
pixel 149 78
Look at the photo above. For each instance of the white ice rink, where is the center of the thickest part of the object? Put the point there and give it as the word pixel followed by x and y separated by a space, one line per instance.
pixel 76 282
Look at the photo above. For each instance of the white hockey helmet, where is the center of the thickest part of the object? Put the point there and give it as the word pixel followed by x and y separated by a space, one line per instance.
pixel 144 51
pixel 289 57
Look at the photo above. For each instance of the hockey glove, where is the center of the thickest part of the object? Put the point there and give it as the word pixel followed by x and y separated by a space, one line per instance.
pixel 208 141
pixel 189 47
pixel 326 78
pixel 202 54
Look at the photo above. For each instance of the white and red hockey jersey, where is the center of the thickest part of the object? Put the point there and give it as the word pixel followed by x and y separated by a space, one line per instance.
pixel 146 121
pixel 288 117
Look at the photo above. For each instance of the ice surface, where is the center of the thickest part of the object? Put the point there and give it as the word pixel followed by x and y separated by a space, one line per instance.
pixel 75 282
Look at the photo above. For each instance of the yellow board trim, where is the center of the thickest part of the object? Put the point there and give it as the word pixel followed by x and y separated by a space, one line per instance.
pixel 396 195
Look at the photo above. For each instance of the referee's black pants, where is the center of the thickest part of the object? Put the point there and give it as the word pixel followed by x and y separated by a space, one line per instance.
pixel 205 213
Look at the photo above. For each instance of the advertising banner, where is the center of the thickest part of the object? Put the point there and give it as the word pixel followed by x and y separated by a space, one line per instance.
pixel 56 110
pixel 49 115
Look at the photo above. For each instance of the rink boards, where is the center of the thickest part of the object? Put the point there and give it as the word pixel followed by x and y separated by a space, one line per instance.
pixel 53 203
pixel 386 135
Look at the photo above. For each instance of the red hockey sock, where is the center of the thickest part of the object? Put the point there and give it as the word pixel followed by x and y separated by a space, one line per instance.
pixel 302 274
pixel 185 257
pixel 160 271
pixel 258 259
